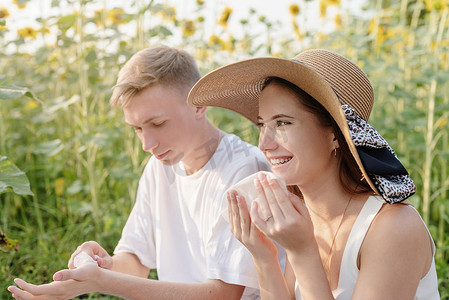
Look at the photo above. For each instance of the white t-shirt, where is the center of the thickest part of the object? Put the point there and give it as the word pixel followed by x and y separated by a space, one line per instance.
pixel 176 226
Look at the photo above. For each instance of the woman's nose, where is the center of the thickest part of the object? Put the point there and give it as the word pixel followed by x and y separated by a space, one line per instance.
pixel 267 139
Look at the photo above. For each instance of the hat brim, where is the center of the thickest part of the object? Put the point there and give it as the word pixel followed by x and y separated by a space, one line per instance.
pixel 237 87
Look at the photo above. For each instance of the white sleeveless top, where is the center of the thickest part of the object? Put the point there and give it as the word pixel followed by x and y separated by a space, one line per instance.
pixel 428 285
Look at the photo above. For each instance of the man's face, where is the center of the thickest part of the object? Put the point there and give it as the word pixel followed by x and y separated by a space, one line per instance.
pixel 163 121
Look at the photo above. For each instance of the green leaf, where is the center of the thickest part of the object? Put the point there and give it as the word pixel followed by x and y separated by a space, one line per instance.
pixel 9 93
pixel 11 176
pixel 160 31
pixel 61 104
pixel 75 187
pixel 65 22
pixel 443 78
pixel 91 56
pixel 49 148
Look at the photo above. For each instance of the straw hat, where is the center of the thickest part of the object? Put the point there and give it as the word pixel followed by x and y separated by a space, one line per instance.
pixel 329 78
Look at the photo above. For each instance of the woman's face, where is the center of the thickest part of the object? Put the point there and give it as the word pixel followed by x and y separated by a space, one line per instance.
pixel 299 149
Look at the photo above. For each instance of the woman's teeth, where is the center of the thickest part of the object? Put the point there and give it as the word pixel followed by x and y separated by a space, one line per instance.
pixel 279 161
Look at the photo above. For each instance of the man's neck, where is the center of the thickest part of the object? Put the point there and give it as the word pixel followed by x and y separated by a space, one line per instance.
pixel 207 144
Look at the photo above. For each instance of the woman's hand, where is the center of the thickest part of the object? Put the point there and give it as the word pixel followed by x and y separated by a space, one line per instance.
pixel 245 231
pixel 285 218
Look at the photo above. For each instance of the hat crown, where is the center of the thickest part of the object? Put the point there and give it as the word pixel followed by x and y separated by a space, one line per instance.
pixel 349 82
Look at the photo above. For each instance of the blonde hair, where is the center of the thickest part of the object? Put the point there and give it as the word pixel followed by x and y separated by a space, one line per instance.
pixel 158 65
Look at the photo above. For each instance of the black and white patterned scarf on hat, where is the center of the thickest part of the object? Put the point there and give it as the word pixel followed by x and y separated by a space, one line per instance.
pixel 380 162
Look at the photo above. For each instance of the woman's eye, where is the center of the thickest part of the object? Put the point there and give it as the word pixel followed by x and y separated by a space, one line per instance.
pixel 260 124
pixel 137 129
pixel 282 123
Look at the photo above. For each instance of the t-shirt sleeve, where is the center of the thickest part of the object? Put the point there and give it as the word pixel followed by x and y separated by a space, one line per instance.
pixel 227 258
pixel 137 235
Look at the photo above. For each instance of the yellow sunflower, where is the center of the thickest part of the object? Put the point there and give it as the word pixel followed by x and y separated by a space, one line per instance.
pixel 223 21
pixel 98 17
pixel 294 9
pixel 338 21
pixel 4 13
pixel 27 32
pixel 215 41
pixel 436 4
pixel 116 16
pixel 188 28
pixel 324 4
pixel 20 4
pixel 168 13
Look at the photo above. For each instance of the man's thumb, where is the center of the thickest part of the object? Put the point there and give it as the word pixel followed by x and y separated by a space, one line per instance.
pixel 63 275
pixel 104 262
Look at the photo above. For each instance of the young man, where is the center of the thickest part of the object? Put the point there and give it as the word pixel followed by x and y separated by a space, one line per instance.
pixel 175 225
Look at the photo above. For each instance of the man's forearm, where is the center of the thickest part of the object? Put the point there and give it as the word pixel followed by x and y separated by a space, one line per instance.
pixel 136 288
pixel 128 263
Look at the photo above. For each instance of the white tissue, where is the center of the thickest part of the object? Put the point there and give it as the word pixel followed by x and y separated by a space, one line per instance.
pixel 83 258
pixel 246 188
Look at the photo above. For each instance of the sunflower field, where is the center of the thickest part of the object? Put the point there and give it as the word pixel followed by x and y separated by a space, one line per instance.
pixel 69 167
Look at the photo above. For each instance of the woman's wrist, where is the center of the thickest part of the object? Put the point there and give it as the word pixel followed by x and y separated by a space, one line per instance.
pixel 265 262
pixel 304 253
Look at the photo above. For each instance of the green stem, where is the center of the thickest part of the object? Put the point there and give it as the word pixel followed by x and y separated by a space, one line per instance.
pixel 415 16
pixel 5 199
pixel 3 130
pixel 403 11
pixel 429 152
pixel 140 25
pixel 40 224
pixel 431 141
pixel 82 68
pixel 376 30
pixel 441 233
pixel 92 155
pixel 414 23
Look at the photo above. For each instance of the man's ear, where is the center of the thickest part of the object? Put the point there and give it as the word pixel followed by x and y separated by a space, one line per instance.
pixel 200 111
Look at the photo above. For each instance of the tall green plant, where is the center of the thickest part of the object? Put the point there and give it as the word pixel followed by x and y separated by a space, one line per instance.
pixel 84 165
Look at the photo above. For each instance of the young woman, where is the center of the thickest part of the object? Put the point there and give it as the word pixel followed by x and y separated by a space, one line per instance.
pixel 346 224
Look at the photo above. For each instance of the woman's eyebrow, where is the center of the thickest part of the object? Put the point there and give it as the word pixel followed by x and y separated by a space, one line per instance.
pixel 278 116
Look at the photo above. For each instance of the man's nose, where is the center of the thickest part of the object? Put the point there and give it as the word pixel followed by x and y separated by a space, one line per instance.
pixel 149 142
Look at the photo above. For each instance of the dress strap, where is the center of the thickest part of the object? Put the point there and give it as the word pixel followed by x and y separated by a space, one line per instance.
pixel 348 268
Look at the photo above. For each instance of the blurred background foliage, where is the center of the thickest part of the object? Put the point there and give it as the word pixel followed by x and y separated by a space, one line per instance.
pixel 83 164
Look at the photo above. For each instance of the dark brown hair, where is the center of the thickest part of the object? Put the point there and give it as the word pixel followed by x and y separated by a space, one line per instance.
pixel 350 175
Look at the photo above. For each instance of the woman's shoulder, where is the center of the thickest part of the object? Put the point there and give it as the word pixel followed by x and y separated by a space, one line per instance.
pixel 398 230
pixel 400 220
pixel 396 218
pixel 402 217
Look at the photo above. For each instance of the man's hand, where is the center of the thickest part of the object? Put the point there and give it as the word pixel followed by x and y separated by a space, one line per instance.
pixel 94 250
pixel 68 284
